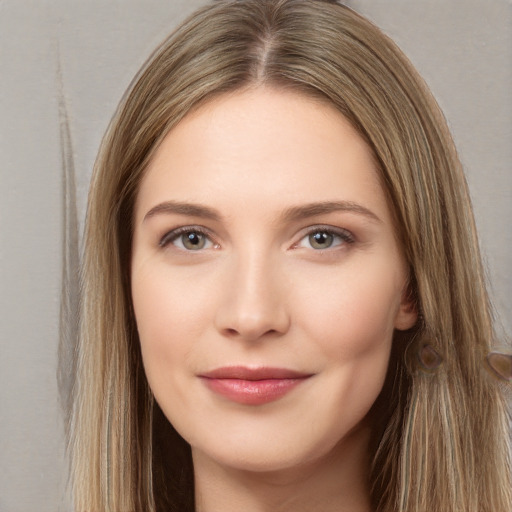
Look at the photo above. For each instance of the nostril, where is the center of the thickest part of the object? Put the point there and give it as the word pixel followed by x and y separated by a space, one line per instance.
pixel 249 334
pixel 251 309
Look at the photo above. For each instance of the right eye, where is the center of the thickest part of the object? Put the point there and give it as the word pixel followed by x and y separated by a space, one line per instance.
pixel 187 239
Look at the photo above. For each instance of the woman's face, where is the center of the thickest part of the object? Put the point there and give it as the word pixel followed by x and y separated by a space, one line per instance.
pixel 266 279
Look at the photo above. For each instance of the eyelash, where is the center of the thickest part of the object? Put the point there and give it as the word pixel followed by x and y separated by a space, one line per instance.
pixel 173 235
pixel 344 235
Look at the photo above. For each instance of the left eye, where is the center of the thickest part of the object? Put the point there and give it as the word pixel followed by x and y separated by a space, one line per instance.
pixel 325 239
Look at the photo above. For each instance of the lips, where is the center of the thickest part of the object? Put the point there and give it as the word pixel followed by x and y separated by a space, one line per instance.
pixel 252 386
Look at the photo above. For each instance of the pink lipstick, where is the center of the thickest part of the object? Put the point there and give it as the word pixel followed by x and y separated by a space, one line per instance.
pixel 252 386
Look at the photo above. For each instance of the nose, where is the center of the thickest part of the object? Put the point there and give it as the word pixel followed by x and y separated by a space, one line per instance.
pixel 253 304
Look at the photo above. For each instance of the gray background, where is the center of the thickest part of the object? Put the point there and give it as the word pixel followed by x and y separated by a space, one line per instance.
pixel 64 66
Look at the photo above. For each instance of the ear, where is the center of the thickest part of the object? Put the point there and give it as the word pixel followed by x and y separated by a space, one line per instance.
pixel 407 314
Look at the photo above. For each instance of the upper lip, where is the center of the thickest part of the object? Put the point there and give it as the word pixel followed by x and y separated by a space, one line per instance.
pixel 259 373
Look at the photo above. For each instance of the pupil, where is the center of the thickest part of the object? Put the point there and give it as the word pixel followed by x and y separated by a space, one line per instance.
pixel 193 240
pixel 321 239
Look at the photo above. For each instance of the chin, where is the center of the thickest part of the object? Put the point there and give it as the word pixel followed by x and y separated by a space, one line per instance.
pixel 255 460
pixel 261 453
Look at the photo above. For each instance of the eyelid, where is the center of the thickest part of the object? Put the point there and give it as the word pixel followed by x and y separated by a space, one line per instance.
pixel 346 235
pixel 170 236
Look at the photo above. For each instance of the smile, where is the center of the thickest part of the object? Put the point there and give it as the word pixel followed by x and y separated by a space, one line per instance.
pixel 252 386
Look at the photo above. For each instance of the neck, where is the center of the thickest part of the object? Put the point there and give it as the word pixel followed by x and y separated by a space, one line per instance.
pixel 337 482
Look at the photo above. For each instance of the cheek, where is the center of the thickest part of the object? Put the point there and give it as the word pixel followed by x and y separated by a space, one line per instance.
pixel 170 314
pixel 352 323
pixel 167 301
pixel 353 314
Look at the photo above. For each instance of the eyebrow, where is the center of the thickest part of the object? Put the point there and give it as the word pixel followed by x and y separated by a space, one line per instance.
pixel 293 213
pixel 311 210
pixel 180 208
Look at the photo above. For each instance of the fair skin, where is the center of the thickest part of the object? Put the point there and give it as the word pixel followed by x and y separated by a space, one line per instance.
pixel 266 321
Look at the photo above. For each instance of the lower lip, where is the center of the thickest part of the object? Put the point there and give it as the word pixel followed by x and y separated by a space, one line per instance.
pixel 252 392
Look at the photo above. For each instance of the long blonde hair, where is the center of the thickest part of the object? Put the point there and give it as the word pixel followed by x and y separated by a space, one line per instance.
pixel 441 435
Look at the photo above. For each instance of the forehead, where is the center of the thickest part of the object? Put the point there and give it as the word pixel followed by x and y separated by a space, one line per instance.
pixel 263 148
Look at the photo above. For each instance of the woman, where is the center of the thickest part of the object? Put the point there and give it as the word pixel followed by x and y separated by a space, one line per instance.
pixel 283 299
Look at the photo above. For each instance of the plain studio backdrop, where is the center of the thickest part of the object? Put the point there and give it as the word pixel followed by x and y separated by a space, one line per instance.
pixel 63 68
